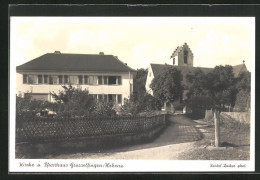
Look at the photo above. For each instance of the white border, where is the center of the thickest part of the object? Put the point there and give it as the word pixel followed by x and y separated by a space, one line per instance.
pixel 133 165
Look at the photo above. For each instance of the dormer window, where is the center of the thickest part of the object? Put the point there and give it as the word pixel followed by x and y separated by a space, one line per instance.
pixel 185 56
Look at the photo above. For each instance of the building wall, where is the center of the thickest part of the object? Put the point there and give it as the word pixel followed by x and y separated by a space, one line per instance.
pixel 181 57
pixel 176 61
pixel 243 69
pixel 125 89
pixel 149 79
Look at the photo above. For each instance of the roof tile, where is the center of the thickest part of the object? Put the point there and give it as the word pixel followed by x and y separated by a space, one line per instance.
pixel 75 62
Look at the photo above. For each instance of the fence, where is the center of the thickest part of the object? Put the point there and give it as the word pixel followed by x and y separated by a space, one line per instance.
pixel 42 129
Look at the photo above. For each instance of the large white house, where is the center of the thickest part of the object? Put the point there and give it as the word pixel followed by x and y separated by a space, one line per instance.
pixel 104 76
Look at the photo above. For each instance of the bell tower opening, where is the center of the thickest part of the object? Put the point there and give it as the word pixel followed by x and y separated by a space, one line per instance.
pixel 185 56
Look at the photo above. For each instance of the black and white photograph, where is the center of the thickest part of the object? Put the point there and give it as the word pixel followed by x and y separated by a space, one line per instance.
pixel 126 94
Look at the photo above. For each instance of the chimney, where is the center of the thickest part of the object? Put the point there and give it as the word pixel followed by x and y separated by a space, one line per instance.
pixel 57 52
pixel 101 53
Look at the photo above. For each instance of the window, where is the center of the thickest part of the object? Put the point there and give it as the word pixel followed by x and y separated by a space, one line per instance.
pixel 25 79
pixel 119 80
pixel 66 79
pixel 85 79
pixel 32 79
pixel 111 80
pixel 100 80
pixel 39 79
pixel 90 80
pixel 185 56
pixel 80 79
pixel 55 79
pixel 100 97
pixel 94 97
pixel 173 61
pixel 45 78
pixel 119 99
pixel 73 79
pixel 112 98
pixel 105 97
pixel 50 80
pixel 95 79
pixel 38 96
pixel 60 79
pixel 105 79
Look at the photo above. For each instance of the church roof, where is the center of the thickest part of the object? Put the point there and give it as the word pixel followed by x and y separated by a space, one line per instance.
pixel 159 68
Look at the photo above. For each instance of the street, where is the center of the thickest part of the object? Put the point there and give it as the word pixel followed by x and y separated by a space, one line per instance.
pixel 178 137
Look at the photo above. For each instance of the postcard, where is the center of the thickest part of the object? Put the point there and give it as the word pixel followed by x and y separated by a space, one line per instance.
pixel 132 94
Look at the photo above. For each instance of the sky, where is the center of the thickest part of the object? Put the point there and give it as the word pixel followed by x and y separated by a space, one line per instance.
pixel 137 41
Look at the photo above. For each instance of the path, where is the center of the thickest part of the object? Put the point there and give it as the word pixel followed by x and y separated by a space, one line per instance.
pixel 179 136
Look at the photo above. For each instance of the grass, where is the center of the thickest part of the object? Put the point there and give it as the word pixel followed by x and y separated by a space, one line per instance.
pixel 234 138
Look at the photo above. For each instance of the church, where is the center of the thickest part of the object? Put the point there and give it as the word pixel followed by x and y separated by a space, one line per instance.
pixel 182 59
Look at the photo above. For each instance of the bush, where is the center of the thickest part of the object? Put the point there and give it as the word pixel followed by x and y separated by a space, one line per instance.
pixel 146 103
pixel 242 103
pixel 199 104
pixel 104 109
pixel 26 106
pixel 73 102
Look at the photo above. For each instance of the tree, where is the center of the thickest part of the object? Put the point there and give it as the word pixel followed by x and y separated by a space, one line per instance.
pixel 243 81
pixel 74 102
pixel 104 109
pixel 196 83
pixel 145 103
pixel 167 86
pixel 220 84
pixel 139 83
pixel 243 96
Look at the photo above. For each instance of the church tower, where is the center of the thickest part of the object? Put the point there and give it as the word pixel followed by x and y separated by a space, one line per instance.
pixel 182 56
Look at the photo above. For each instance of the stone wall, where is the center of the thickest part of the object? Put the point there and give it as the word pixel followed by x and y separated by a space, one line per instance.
pixel 242 117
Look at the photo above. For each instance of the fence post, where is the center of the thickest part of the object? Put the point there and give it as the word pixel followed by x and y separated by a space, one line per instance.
pixel 217 129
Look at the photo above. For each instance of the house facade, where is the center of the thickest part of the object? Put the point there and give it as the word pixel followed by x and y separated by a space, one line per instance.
pixel 104 76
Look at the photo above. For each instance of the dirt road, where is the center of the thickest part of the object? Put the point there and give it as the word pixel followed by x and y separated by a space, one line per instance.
pixel 179 137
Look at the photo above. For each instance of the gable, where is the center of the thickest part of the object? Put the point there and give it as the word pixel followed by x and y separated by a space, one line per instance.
pixel 180 49
pixel 238 69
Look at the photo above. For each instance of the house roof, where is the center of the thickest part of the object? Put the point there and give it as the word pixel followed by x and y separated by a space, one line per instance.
pixel 75 62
